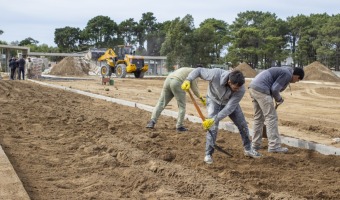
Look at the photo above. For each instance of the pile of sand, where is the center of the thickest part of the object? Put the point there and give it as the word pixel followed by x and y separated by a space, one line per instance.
pixel 247 71
pixel 319 72
pixel 71 66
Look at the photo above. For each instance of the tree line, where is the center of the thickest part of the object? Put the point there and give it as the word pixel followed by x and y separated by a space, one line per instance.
pixel 258 38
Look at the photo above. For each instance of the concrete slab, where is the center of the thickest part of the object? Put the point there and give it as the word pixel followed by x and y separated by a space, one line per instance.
pixel 11 187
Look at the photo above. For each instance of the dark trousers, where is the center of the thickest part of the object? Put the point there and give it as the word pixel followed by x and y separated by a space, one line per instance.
pixel 21 71
pixel 13 73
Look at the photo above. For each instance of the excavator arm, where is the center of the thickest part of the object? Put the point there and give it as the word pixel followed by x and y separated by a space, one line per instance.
pixel 109 54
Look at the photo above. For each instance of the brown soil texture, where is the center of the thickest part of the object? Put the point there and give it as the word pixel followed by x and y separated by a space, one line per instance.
pixel 319 72
pixel 65 145
pixel 247 71
pixel 71 66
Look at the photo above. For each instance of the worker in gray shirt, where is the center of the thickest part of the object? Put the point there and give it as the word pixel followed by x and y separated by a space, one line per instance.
pixel 265 87
pixel 225 91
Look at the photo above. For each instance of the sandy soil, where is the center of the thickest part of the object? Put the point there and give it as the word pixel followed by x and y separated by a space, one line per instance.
pixel 68 146
pixel 310 111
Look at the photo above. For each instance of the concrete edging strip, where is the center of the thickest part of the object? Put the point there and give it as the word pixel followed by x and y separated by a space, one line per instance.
pixel 323 149
pixel 10 185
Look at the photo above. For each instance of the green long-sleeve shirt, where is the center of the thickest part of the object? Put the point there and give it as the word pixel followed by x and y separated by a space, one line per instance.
pixel 181 74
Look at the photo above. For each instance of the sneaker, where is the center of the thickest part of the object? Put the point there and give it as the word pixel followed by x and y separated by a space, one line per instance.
pixel 181 129
pixel 252 153
pixel 278 150
pixel 208 159
pixel 151 124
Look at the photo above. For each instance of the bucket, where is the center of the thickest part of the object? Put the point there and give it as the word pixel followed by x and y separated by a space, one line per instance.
pixel 111 81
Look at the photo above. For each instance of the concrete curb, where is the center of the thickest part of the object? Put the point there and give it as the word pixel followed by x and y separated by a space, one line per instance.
pixel 10 185
pixel 52 77
pixel 323 149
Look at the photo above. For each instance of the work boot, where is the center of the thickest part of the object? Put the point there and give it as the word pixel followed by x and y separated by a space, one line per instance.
pixel 151 124
pixel 181 129
pixel 278 150
pixel 252 153
pixel 208 159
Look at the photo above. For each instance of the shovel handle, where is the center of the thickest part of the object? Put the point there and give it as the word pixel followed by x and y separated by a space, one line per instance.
pixel 203 118
pixel 196 106
pixel 276 105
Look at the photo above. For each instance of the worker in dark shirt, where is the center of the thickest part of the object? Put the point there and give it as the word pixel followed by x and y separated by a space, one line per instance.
pixel 12 66
pixel 21 68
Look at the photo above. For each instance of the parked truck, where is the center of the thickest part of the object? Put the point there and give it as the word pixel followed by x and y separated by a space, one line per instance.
pixel 120 61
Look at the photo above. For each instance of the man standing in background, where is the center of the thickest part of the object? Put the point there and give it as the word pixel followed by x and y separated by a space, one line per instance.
pixel 29 65
pixel 21 68
pixel 12 66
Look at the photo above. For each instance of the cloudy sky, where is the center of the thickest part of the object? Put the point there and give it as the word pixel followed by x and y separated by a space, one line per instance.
pixel 38 19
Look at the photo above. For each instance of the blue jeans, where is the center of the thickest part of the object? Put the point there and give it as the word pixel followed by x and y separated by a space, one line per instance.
pixel 237 117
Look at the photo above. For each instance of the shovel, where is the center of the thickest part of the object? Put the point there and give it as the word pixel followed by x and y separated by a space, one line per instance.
pixel 264 131
pixel 203 118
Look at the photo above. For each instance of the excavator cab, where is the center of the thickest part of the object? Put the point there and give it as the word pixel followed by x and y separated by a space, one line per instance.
pixel 123 50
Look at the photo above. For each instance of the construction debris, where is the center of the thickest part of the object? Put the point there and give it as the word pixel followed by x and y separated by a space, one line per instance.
pixel 38 66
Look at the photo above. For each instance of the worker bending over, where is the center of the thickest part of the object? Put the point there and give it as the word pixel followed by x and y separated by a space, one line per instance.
pixel 171 89
pixel 225 91
pixel 265 87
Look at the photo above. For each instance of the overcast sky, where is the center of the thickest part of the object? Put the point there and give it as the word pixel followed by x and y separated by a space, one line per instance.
pixel 38 19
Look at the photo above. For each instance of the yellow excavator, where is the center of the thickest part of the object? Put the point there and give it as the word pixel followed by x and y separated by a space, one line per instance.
pixel 120 63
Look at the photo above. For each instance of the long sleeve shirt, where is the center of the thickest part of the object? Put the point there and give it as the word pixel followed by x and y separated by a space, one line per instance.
pixel 219 90
pixel 272 81
pixel 21 62
pixel 181 74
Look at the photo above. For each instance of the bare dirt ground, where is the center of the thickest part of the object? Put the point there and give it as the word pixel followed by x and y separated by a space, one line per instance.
pixel 311 109
pixel 68 146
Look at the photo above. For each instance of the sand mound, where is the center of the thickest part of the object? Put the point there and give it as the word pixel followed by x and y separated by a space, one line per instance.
pixel 319 72
pixel 71 66
pixel 247 71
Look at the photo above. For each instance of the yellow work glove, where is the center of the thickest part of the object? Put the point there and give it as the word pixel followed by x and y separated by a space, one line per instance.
pixel 186 85
pixel 203 100
pixel 208 123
